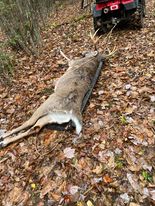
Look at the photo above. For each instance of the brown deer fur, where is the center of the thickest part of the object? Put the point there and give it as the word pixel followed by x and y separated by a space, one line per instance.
pixel 64 104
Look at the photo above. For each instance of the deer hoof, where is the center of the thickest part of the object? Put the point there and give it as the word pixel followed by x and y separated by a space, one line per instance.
pixel 1 142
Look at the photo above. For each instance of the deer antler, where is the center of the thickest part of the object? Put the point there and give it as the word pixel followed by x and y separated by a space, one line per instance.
pixel 106 41
pixel 94 38
pixel 61 52
pixel 108 37
pixel 111 53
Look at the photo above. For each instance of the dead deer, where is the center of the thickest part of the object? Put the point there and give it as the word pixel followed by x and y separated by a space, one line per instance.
pixel 64 105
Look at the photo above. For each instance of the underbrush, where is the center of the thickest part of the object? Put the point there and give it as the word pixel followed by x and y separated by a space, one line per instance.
pixel 6 67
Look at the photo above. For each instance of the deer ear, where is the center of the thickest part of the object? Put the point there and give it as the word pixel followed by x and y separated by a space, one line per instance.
pixel 96 53
pixel 84 53
pixel 90 53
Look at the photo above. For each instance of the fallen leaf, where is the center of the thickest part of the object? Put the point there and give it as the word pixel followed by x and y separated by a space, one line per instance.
pixel 55 196
pixel 125 197
pixel 10 110
pixel 152 98
pixel 14 196
pixel 128 86
pixel 129 110
pixel 98 169
pixel 107 179
pixel 46 189
pixel 73 189
pixel 134 183
pixel 133 204
pixel 89 203
pixel 69 152
pixel 152 193
pixel 79 204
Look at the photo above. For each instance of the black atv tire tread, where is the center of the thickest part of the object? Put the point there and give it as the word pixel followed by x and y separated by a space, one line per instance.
pixel 101 29
pixel 140 17
pixel 96 27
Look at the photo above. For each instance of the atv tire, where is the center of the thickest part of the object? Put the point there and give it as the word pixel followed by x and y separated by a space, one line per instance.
pixel 144 7
pixel 100 29
pixel 139 19
pixel 96 26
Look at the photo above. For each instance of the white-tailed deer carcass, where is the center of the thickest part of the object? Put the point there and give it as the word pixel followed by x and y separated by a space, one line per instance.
pixel 65 104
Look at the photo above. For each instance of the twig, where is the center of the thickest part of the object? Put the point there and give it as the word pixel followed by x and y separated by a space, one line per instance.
pixel 89 189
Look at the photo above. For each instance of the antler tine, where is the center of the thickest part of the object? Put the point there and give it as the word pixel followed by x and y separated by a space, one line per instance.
pixel 107 38
pixel 111 53
pixel 106 41
pixel 92 36
pixel 61 52
pixel 95 33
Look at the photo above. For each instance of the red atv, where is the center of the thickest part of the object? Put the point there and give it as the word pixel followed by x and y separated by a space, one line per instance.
pixel 109 12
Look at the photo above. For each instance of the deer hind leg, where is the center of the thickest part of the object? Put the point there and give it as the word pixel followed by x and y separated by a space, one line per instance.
pixel 35 129
pixel 29 123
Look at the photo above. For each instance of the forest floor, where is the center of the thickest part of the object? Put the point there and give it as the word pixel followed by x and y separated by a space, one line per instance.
pixel 112 162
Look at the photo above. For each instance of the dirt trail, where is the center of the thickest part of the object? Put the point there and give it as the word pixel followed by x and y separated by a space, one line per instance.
pixel 112 162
